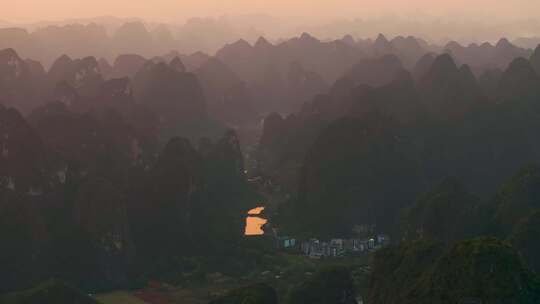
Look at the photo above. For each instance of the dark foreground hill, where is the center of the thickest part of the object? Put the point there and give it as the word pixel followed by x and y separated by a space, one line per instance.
pixel 49 292
pixel 483 270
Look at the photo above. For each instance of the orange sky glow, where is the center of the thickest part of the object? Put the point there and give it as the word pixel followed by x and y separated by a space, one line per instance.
pixel 167 10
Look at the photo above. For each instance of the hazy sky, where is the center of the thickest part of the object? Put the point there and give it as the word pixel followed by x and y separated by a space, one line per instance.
pixel 167 10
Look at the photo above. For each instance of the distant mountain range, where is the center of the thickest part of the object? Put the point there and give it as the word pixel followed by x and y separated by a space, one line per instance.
pixel 209 34
pixel 124 160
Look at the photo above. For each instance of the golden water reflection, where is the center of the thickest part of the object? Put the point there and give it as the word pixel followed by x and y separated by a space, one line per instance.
pixel 254 223
pixel 256 211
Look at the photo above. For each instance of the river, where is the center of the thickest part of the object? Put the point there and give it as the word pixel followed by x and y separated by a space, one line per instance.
pixel 254 222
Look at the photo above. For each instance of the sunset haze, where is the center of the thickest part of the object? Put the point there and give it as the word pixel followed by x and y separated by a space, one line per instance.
pixel 34 10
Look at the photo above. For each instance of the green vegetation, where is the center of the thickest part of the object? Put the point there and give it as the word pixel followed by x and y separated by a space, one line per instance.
pixel 436 213
pixel 518 198
pixel 525 238
pixel 485 270
pixel 330 285
pixel 49 292
pixel 396 269
pixel 355 173
pixel 118 297
pixel 253 294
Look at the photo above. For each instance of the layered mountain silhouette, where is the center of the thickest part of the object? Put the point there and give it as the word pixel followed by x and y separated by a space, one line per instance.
pixel 444 124
pixel 452 274
pixel 19 81
pixel 129 159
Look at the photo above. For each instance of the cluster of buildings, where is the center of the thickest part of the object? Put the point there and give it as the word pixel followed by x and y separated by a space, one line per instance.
pixel 317 249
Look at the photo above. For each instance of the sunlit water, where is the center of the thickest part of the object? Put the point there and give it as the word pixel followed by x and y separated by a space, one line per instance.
pixel 254 223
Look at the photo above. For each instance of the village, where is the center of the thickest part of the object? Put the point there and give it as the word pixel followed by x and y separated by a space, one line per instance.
pixel 333 248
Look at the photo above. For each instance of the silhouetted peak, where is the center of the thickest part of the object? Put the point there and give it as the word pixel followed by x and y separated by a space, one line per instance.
pixel 171 94
pixel 519 81
pixel 127 65
pixel 21 156
pixel 262 43
pixel 178 149
pixel 177 64
pixel 443 64
pixel 178 157
pixel 66 69
pixel 241 44
pixel 466 73
pixel 535 59
pixel 452 45
pixel 348 39
pixel 449 92
pixel 486 45
pixel 399 39
pixel 104 65
pixel 15 65
pixel 412 39
pixel 407 43
pixel 423 65
pixel 216 76
pixel 8 54
pixel 86 69
pixel 273 119
pixel 537 51
pixel 381 39
pixel 10 115
pixel 382 45
pixel 306 37
pixel 504 43
pixel 521 66
pixel 429 57
pixel 63 60
pixel 518 196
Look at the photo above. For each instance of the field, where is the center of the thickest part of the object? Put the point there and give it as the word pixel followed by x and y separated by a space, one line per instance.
pixel 118 297
pixel 282 271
